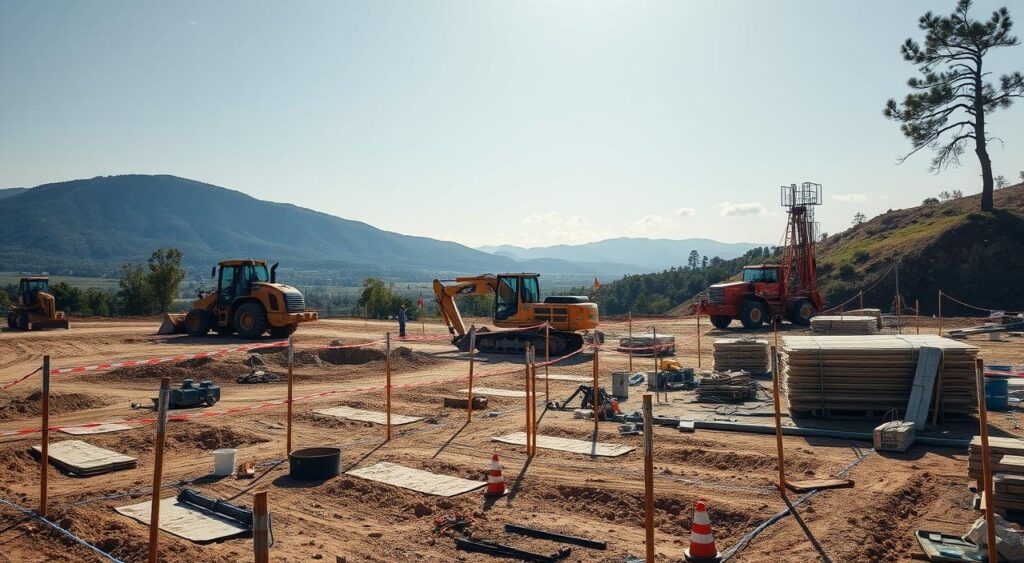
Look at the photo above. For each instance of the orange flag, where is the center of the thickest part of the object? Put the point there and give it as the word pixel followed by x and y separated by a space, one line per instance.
pixel 597 284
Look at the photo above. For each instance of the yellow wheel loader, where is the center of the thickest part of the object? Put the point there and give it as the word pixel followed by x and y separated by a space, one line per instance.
pixel 248 301
pixel 36 307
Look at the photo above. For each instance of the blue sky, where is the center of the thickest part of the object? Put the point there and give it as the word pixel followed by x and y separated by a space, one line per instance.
pixel 487 122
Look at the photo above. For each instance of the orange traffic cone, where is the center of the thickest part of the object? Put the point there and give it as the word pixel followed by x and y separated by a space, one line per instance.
pixel 702 541
pixel 495 482
pixel 615 406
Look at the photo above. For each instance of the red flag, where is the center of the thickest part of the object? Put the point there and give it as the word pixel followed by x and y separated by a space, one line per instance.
pixel 419 302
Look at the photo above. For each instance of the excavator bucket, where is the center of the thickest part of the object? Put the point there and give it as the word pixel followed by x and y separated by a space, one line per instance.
pixel 174 323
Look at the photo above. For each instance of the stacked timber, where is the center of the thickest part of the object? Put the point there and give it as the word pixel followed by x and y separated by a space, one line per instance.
pixel 646 344
pixel 725 387
pixel 747 354
pixel 872 374
pixel 875 313
pixel 843 324
pixel 1005 454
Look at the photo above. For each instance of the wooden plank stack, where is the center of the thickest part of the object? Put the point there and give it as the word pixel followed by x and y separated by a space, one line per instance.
pixel 871 374
pixel 874 313
pixel 844 324
pixel 747 354
pixel 723 387
pixel 1007 461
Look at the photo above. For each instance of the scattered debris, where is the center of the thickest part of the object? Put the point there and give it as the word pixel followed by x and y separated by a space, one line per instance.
pixel 666 344
pixel 731 386
pixel 630 429
pixel 452 525
pixel 546 535
pixel 259 376
pixel 894 436
pixel 501 550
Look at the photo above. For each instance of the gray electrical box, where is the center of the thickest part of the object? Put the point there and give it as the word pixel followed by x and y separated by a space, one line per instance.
pixel 620 384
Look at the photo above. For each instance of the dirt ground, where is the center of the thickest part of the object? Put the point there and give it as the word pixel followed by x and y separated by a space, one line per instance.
pixel 350 519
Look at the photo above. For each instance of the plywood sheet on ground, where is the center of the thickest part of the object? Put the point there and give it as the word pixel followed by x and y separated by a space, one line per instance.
pixel 97 429
pixel 416 479
pixel 586 447
pixel 84 458
pixel 565 377
pixel 496 392
pixel 185 520
pixel 367 416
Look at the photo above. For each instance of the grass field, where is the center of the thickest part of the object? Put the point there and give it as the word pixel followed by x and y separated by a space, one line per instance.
pixel 77 281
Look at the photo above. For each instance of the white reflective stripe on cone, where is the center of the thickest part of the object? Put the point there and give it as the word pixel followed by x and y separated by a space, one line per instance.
pixel 702 538
pixel 701 518
pixel 495 479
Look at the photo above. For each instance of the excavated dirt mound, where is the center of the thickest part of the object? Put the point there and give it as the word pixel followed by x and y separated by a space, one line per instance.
pixel 24 406
pixel 219 370
pixel 402 358
pixel 180 436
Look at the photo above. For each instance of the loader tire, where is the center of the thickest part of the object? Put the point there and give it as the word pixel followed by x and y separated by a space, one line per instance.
pixel 282 331
pixel 753 314
pixel 250 320
pixel 197 323
pixel 721 321
pixel 12 321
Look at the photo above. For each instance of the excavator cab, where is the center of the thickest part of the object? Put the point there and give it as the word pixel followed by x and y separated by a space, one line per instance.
pixel 29 288
pixel 515 293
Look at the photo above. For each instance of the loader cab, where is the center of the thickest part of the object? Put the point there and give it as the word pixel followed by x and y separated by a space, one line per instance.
pixel 513 291
pixel 29 288
pixel 236 279
pixel 765 279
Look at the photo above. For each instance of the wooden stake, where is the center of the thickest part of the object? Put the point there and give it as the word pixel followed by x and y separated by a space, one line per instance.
pixel 533 395
pixel 529 413
pixel 291 364
pixel 44 457
pixel 631 342
pixel 862 299
pixel 778 420
pixel 158 467
pixel 940 312
pixel 654 349
pixel 472 355
pixel 917 315
pixel 387 382
pixel 547 360
pixel 986 465
pixel 597 405
pixel 648 478
pixel 698 339
pixel 260 528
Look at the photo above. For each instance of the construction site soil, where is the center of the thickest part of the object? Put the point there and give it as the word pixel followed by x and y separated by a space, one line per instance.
pixel 350 519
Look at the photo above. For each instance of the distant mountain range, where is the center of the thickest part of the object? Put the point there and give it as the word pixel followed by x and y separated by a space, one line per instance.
pixel 90 227
pixel 643 254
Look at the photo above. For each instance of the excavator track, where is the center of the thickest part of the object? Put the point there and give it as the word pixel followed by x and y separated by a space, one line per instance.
pixel 515 342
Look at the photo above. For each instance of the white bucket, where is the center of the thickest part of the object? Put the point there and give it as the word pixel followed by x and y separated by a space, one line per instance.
pixel 224 461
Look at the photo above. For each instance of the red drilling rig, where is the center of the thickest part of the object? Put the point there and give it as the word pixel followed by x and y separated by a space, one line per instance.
pixel 786 290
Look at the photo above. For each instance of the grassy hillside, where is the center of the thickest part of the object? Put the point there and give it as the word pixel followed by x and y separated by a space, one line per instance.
pixel 976 257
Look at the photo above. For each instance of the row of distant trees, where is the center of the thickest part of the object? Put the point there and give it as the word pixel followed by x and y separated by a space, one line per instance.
pixel 143 289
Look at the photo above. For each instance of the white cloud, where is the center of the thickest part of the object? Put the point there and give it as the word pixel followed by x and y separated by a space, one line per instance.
pixel 850 198
pixel 730 209
pixel 193 23
pixel 552 228
pixel 686 212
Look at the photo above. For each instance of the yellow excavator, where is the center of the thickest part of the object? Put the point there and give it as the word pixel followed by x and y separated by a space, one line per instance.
pixel 36 307
pixel 517 304
pixel 248 301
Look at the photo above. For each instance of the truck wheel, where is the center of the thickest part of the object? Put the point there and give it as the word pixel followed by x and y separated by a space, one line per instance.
pixel 721 321
pixel 802 312
pixel 197 323
pixel 753 314
pixel 282 331
pixel 210 400
pixel 23 323
pixel 250 320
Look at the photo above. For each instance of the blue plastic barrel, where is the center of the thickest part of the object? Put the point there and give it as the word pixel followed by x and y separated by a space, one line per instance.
pixel 996 394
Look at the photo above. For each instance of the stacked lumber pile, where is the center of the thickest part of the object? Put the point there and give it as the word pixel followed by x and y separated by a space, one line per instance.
pixel 747 354
pixel 644 344
pixel 875 313
pixel 872 373
pixel 843 324
pixel 729 386
pixel 1005 454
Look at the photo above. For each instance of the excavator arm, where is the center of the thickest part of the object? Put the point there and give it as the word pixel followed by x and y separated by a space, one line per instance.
pixel 445 292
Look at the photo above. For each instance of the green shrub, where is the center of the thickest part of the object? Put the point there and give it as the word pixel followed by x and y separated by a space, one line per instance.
pixel 847 271
pixel 860 256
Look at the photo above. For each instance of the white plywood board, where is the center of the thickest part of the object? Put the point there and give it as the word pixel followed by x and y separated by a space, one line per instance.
pixel 585 447
pixel 97 429
pixel 367 416
pixel 85 458
pixel 185 520
pixel 496 392
pixel 565 377
pixel 416 479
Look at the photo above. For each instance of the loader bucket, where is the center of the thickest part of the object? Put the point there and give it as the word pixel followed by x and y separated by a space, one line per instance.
pixel 173 323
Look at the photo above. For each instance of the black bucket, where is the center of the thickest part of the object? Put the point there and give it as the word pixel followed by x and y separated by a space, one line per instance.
pixel 314 464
